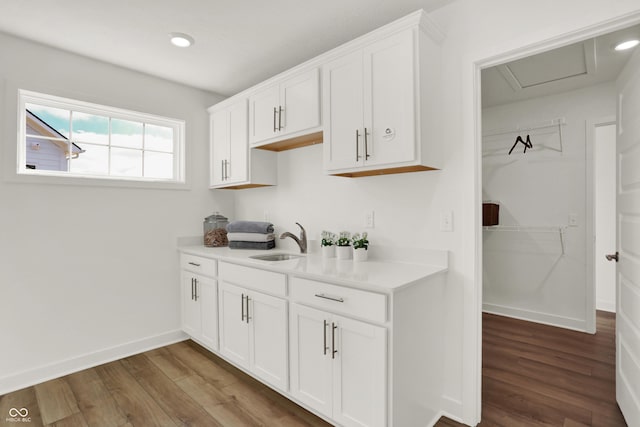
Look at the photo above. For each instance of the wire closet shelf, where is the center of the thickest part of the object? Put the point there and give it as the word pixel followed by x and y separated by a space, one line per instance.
pixel 549 125
pixel 530 229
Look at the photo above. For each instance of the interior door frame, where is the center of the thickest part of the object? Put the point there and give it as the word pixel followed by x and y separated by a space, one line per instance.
pixel 590 129
pixel 472 359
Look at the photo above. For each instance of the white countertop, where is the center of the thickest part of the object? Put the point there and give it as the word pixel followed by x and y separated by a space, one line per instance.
pixel 376 275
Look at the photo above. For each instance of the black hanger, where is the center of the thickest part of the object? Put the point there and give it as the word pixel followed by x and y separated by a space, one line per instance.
pixel 526 144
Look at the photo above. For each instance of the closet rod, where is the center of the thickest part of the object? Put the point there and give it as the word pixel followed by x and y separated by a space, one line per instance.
pixel 521 129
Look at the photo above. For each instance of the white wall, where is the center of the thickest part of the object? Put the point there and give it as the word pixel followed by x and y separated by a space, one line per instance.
pixel 604 156
pixel 525 273
pixel 84 268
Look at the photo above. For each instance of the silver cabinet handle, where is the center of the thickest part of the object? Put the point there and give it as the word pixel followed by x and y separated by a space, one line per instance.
pixel 333 340
pixel 357 145
pixel 279 117
pixel 242 308
pixel 324 331
pixel 194 264
pixel 274 119
pixel 195 289
pixel 192 292
pixel 247 302
pixel 366 145
pixel 226 169
pixel 337 299
pixel 222 170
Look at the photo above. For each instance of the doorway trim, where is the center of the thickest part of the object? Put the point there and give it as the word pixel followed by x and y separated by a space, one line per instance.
pixel 472 359
pixel 590 131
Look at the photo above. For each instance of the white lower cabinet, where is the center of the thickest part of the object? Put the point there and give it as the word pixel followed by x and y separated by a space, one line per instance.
pixel 200 308
pixel 253 332
pixel 339 366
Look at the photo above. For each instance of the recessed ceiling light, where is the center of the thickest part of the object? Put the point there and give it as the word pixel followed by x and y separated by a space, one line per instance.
pixel 627 44
pixel 181 39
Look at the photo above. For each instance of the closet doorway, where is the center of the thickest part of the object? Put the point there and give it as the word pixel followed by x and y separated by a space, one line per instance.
pixel 549 131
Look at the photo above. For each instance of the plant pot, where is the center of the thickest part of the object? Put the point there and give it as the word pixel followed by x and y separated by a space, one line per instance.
pixel 360 254
pixel 328 251
pixel 343 252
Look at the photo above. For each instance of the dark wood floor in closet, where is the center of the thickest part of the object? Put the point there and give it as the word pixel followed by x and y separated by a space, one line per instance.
pixel 538 375
pixel 533 375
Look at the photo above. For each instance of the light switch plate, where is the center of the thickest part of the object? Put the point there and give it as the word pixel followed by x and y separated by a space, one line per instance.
pixel 369 219
pixel 446 221
pixel 573 220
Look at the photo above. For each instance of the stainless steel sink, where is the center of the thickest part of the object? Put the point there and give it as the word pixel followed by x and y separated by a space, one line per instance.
pixel 275 257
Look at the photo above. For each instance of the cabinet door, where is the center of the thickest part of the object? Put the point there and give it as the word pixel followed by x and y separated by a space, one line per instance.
pixel 268 339
pixel 359 373
pixel 300 101
pixel 218 146
pixel 311 358
pixel 190 307
pixel 234 329
pixel 342 112
pixel 207 298
pixel 263 120
pixel 390 100
pixel 237 168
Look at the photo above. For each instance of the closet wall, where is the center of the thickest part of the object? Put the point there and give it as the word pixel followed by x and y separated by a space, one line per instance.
pixel 531 272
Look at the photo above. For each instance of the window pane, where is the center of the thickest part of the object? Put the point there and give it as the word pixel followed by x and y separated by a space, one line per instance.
pixel 90 159
pixel 90 128
pixel 46 154
pixel 47 121
pixel 158 138
pixel 125 133
pixel 158 165
pixel 125 162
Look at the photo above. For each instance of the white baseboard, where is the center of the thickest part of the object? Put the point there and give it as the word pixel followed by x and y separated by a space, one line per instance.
pixel 536 316
pixel 603 305
pixel 452 408
pixel 65 367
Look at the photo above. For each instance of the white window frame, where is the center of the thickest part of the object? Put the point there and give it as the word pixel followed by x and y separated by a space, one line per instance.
pixel 30 97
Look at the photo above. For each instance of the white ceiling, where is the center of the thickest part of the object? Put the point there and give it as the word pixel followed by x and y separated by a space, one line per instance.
pixel 237 43
pixel 571 67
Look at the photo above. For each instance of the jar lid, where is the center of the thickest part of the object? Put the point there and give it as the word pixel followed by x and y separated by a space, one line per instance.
pixel 216 217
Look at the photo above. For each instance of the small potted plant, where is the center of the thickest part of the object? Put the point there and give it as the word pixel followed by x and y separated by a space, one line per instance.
pixel 360 246
pixel 343 251
pixel 328 244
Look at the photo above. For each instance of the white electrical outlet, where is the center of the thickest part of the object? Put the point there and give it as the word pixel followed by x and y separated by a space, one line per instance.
pixel 573 220
pixel 266 216
pixel 369 219
pixel 446 221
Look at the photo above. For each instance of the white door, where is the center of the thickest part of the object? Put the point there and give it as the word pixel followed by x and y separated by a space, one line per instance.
pixel 389 100
pixel 208 301
pixel 263 114
pixel 359 373
pixel 300 102
pixel 190 307
pixel 234 329
pixel 218 146
pixel 311 365
pixel 268 338
pixel 342 112
pixel 237 168
pixel 628 222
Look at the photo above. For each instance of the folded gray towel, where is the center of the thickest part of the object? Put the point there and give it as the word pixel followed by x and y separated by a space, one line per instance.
pixel 251 237
pixel 249 227
pixel 252 245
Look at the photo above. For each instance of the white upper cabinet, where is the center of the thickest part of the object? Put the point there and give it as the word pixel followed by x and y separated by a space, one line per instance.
pixel 380 105
pixel 232 163
pixel 286 109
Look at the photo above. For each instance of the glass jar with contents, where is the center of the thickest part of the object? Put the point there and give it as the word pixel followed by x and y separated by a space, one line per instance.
pixel 215 231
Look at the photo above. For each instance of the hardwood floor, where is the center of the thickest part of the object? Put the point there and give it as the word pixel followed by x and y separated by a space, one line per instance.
pixel 533 375
pixel 538 375
pixel 178 385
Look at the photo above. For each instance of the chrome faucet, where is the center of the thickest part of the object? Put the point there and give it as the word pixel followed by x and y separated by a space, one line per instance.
pixel 302 241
